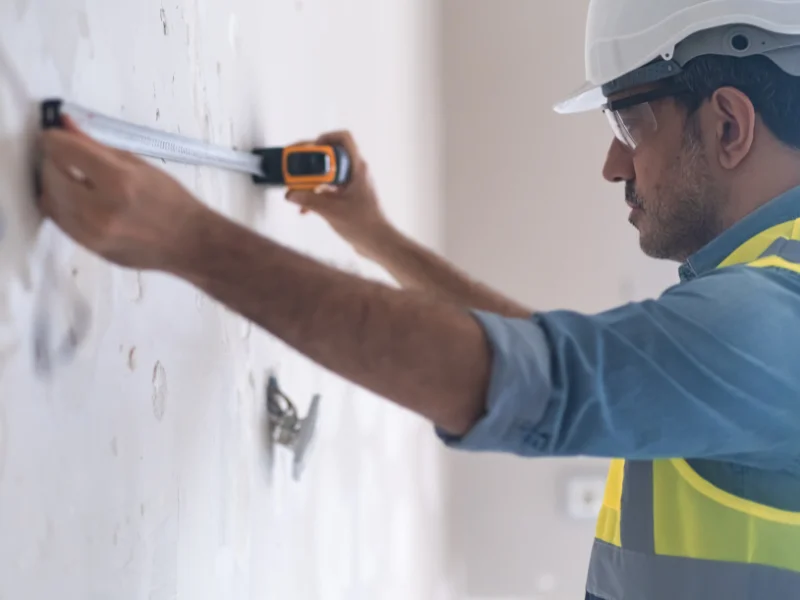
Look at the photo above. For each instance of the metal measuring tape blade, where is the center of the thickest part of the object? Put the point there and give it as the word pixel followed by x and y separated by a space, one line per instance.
pixel 304 166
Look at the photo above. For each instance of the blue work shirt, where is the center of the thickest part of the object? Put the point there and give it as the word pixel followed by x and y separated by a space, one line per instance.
pixel 708 371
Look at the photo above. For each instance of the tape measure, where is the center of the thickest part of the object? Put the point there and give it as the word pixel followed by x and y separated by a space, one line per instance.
pixel 299 167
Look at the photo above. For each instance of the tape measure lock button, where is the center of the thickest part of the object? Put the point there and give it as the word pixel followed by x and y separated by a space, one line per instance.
pixel 308 164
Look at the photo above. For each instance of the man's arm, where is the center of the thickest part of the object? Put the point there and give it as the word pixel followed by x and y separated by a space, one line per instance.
pixel 708 370
pixel 428 356
pixel 418 268
pixel 354 213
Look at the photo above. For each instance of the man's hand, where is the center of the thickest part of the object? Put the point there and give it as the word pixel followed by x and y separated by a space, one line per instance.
pixel 353 210
pixel 112 202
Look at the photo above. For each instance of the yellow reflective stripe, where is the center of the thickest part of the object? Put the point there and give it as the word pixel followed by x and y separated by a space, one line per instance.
pixel 726 499
pixel 755 246
pixel 607 528
pixel 694 519
pixel 613 492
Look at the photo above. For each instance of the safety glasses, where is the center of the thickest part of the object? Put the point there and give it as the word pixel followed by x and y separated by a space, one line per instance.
pixel 632 118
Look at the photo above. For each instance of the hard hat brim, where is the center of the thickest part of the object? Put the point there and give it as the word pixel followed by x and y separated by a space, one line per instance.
pixel 586 98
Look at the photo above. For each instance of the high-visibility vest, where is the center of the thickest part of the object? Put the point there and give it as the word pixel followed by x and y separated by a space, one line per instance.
pixel 665 533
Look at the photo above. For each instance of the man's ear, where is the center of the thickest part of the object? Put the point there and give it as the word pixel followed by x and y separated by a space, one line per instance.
pixel 734 119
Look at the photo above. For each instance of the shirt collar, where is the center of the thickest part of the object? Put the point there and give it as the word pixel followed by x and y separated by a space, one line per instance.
pixel 785 207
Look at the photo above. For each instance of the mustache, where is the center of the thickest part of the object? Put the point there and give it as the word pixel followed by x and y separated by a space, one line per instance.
pixel 631 197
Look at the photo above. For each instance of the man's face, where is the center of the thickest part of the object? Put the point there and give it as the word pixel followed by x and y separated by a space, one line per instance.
pixel 674 199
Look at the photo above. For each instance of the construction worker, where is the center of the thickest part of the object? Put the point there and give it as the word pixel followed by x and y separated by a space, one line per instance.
pixel 694 394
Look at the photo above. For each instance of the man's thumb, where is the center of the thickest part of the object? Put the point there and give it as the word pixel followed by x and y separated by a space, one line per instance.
pixel 307 200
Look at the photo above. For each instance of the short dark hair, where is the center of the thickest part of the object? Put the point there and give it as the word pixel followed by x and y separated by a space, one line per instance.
pixel 774 93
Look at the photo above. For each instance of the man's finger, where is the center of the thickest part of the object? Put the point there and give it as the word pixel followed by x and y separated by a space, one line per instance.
pixel 301 198
pixel 59 190
pixel 69 124
pixel 79 153
pixel 345 139
pixel 342 138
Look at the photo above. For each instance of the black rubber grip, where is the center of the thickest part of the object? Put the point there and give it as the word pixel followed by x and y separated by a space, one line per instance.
pixel 51 113
pixel 271 166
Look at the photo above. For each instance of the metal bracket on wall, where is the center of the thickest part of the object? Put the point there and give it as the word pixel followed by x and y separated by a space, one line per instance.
pixel 287 428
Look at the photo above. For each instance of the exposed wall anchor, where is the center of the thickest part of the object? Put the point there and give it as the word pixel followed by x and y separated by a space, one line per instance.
pixel 287 428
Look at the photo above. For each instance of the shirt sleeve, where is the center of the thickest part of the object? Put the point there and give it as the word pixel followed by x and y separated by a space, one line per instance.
pixel 709 369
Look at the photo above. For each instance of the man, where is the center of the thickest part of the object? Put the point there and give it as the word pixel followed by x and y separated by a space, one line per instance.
pixel 698 391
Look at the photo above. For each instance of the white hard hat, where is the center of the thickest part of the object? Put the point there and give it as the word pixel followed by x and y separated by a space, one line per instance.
pixel 634 42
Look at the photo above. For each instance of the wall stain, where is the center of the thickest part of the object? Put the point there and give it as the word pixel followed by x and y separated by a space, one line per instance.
pixel 132 359
pixel 164 24
pixel 83 25
pixel 114 446
pixel 22 7
pixel 2 442
pixel 159 391
pixel 138 287
pixel 45 543
pixel 8 345
pixel 233 32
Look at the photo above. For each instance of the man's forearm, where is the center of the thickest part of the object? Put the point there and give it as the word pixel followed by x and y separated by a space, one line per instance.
pixel 416 267
pixel 429 356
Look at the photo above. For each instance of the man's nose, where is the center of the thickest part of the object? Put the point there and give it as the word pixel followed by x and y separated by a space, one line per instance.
pixel 619 163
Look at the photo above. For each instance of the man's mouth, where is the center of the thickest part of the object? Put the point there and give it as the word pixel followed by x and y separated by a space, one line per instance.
pixel 632 199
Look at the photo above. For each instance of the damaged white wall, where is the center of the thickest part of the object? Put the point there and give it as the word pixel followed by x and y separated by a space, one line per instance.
pixel 139 471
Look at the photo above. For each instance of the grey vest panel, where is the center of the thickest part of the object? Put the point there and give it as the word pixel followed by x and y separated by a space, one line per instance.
pixel 636 528
pixel 617 574
pixel 784 248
